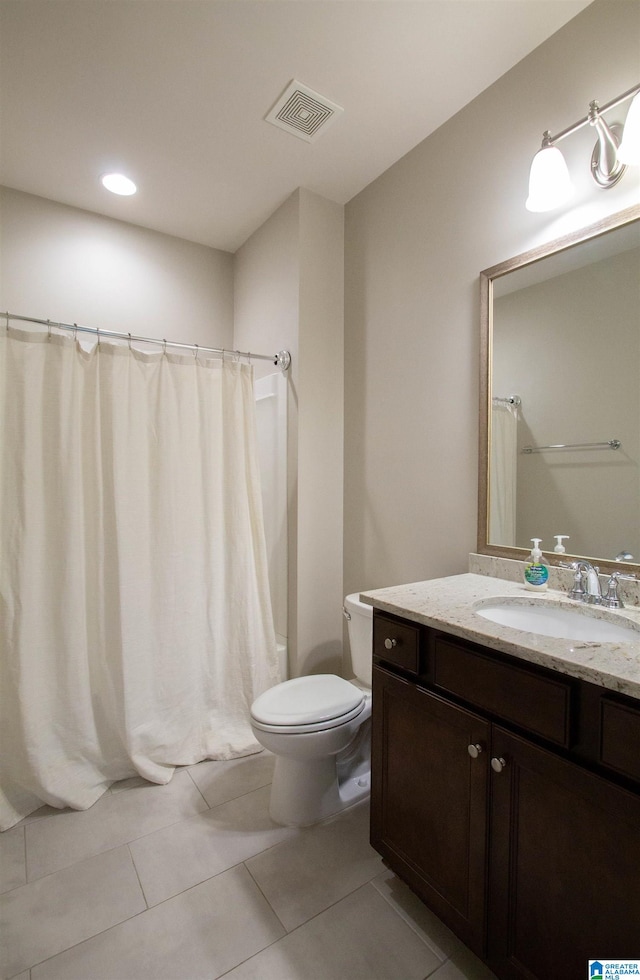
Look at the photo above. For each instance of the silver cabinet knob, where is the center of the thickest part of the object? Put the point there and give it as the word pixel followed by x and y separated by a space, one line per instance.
pixel 389 643
pixel 498 764
pixel 474 750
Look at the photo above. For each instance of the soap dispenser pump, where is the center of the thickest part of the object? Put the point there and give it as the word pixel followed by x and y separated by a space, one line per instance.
pixel 559 548
pixel 536 572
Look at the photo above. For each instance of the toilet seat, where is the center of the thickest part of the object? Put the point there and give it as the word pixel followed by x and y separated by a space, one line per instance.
pixel 307 704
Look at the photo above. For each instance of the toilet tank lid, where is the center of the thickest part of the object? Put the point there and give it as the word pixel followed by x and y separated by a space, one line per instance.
pixel 315 698
pixel 353 604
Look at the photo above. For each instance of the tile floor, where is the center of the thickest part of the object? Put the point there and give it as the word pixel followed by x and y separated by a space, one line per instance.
pixel 193 880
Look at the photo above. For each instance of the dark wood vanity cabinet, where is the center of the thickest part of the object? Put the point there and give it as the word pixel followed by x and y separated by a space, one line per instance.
pixel 564 873
pixel 425 788
pixel 507 797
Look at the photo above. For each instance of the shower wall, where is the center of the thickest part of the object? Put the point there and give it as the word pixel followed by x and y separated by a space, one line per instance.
pixel 71 265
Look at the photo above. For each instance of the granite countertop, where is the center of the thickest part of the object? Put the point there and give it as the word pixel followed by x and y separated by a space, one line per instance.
pixel 447 604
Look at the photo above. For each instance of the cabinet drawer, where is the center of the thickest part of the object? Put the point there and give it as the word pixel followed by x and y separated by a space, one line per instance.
pixel 396 642
pixel 620 737
pixel 534 702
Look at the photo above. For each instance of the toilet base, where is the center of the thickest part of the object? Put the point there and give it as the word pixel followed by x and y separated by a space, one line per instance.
pixel 306 791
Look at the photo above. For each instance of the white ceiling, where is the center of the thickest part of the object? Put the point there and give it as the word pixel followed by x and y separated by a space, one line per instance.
pixel 174 93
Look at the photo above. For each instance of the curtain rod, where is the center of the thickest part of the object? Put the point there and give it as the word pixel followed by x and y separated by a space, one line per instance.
pixel 282 359
pixel 609 444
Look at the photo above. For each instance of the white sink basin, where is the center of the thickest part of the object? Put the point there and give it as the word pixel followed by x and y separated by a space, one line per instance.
pixel 548 618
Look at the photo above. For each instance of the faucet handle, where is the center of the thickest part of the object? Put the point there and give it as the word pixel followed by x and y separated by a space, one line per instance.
pixel 577 590
pixel 612 600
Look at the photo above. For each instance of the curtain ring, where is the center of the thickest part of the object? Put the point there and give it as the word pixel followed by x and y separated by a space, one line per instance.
pixel 98 332
pixel 164 346
pixel 75 331
pixel 129 341
pixel 195 351
pixel 49 328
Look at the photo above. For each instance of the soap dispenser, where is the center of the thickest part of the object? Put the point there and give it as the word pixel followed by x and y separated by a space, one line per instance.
pixel 559 548
pixel 536 572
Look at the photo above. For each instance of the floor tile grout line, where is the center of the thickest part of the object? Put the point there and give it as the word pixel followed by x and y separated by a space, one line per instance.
pixel 217 874
pixel 133 840
pixel 8 891
pixel 94 854
pixel 290 932
pixel 115 925
pixel 123 843
pixel 32 818
pixel 126 844
pixel 132 859
pixel 247 959
pixel 198 789
pixel 26 866
pixel 213 806
pixel 151 909
pixel 258 886
pixel 406 918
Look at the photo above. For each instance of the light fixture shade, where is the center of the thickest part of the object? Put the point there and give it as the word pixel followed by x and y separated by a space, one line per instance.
pixel 549 181
pixel 119 184
pixel 629 149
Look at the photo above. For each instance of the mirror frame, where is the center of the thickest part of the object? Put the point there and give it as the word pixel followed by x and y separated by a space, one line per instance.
pixel 487 278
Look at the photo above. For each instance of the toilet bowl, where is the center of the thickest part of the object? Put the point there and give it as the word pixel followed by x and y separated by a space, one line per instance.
pixel 318 727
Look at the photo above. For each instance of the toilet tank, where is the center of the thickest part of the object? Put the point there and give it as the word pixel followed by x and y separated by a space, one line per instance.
pixel 360 625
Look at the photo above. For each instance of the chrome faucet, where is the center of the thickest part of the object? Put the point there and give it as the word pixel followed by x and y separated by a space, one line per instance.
pixel 586 584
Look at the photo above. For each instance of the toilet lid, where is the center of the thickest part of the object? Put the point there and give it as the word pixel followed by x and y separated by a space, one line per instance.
pixel 308 700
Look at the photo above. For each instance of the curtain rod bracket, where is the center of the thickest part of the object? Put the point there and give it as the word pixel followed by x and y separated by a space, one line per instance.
pixel 283 360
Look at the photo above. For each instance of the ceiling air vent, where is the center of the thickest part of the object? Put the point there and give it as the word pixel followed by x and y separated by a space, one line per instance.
pixel 302 112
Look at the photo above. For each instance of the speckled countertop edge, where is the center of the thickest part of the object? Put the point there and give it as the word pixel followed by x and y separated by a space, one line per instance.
pixel 447 604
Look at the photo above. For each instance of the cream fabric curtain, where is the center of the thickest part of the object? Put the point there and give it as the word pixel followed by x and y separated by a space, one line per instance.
pixel 134 600
pixel 502 486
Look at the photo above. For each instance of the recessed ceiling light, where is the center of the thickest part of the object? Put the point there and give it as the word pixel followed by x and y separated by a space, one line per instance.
pixel 119 184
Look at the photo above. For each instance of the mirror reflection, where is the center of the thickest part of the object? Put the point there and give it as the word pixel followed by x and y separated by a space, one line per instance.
pixel 562 397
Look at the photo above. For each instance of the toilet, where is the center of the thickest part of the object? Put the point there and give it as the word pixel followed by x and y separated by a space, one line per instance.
pixel 319 729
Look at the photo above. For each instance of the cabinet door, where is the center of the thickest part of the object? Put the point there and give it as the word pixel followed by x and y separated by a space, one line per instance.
pixel 565 866
pixel 429 800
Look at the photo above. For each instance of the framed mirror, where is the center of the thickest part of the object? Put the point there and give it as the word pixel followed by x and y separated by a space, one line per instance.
pixel 560 398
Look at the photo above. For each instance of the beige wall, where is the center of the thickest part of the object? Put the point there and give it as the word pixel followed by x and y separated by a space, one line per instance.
pixel 62 263
pixel 415 242
pixel 289 292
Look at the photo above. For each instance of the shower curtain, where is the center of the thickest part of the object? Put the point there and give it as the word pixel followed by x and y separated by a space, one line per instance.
pixel 134 598
pixel 502 487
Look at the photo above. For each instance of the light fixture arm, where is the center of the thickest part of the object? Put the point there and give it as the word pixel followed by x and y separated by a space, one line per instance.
pixel 587 119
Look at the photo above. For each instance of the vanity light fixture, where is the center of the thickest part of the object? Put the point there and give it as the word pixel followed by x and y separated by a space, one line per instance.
pixel 118 184
pixel 549 181
pixel 629 149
